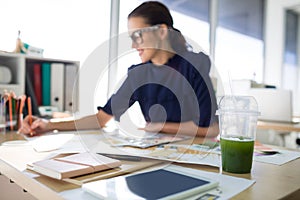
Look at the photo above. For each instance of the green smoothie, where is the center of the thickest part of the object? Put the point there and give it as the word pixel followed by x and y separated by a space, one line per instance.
pixel 237 154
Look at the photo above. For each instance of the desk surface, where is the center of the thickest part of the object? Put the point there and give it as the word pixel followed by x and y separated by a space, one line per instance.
pixel 272 181
pixel 278 126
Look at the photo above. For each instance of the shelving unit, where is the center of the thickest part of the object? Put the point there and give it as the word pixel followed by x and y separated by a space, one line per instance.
pixel 19 66
pixel 16 64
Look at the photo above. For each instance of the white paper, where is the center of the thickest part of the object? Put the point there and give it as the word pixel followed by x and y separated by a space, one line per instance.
pixel 280 158
pixel 179 153
pixel 58 143
pixel 76 142
pixel 229 186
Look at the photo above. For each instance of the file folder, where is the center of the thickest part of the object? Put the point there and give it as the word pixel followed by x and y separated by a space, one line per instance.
pixel 57 85
pixel 71 87
pixel 46 84
pixel 37 82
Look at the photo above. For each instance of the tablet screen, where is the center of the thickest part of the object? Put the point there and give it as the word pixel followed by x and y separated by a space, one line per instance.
pixel 156 184
pixel 161 183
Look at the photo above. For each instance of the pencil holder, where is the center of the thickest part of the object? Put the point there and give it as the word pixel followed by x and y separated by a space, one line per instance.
pixel 11 121
pixel 12 115
pixel 14 123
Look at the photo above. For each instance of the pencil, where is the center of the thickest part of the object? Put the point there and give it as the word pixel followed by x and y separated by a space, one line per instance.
pixel 10 112
pixel 29 112
pixel 2 110
pixel 23 98
pixel 17 102
pixel 14 115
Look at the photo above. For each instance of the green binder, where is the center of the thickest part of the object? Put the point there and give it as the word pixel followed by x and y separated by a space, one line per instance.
pixel 46 84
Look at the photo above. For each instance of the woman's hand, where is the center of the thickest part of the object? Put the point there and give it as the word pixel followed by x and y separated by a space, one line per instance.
pixel 186 128
pixel 38 126
pixel 153 127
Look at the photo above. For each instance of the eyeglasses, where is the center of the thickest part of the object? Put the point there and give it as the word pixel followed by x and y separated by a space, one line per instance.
pixel 137 36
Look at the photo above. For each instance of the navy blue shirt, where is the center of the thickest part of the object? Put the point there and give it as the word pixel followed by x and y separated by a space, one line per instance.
pixel 178 91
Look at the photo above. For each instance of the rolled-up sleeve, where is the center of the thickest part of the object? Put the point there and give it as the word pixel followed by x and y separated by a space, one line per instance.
pixel 119 102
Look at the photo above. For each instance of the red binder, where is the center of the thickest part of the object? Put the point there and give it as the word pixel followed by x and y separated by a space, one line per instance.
pixel 37 82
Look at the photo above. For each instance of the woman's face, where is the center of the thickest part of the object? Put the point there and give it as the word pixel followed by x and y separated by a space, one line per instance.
pixel 144 38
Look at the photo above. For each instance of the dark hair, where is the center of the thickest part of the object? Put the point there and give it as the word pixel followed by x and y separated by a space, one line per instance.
pixel 155 13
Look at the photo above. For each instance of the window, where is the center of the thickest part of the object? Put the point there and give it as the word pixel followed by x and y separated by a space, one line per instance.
pixel 290 79
pixel 239 40
pixel 196 13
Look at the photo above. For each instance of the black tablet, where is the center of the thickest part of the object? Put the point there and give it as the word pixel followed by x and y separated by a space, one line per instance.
pixel 168 183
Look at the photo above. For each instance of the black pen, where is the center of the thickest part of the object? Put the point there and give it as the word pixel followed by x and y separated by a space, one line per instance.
pixel 270 152
pixel 122 157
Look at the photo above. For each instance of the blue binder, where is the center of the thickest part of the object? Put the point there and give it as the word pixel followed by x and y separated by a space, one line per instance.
pixel 46 84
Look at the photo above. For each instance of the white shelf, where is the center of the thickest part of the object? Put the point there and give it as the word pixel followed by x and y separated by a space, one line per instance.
pixel 17 88
pixel 20 63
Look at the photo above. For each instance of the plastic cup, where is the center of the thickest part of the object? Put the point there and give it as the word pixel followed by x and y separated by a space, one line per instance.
pixel 238 122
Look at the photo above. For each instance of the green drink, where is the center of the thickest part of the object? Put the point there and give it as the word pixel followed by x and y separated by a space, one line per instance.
pixel 237 121
pixel 237 154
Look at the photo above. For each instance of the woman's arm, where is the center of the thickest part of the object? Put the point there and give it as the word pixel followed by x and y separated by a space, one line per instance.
pixel 187 128
pixel 89 122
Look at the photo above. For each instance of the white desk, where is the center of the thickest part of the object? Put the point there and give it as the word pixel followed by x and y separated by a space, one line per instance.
pixel 279 128
pixel 272 181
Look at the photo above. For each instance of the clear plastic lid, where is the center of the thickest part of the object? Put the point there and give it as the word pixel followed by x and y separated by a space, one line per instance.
pixel 245 105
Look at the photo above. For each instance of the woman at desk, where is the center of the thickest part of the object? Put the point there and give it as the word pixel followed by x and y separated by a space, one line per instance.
pixel 171 84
